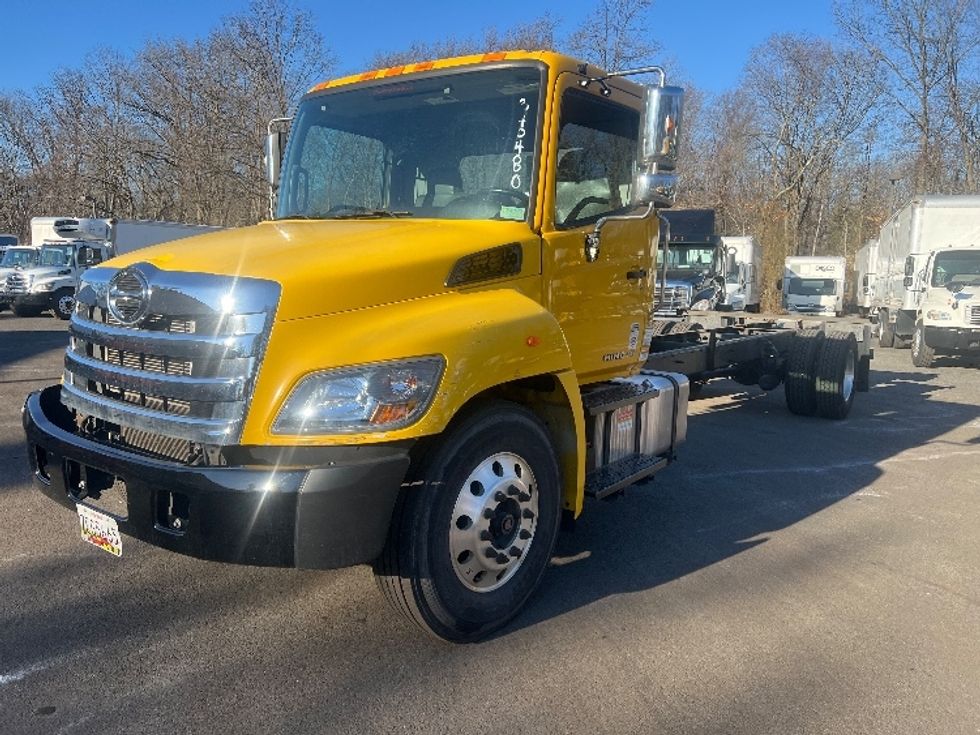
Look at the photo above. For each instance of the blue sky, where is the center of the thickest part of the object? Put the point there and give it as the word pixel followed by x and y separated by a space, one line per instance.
pixel 709 39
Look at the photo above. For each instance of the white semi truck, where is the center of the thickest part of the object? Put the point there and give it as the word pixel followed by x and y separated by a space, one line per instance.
pixel 67 246
pixel 743 273
pixel 814 284
pixel 928 286
pixel 865 275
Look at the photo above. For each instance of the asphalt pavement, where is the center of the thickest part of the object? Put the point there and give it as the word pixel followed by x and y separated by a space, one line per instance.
pixel 786 575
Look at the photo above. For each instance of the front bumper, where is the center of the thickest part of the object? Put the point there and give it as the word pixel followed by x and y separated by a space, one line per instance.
pixel 330 514
pixel 39 298
pixel 952 339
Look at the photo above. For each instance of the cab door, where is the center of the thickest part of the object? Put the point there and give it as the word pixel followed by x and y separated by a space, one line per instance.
pixel 601 297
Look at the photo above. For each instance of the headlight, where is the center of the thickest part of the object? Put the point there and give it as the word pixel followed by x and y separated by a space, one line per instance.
pixel 702 305
pixel 380 397
pixel 46 286
pixel 938 315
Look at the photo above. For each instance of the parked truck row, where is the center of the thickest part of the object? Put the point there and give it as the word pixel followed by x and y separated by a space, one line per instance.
pixel 45 275
pixel 442 346
pixel 920 278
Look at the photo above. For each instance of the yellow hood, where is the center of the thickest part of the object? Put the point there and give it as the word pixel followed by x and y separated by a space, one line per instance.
pixel 328 266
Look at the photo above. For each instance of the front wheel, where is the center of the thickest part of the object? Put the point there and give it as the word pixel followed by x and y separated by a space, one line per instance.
pixel 475 524
pixel 23 310
pixel 922 354
pixel 64 303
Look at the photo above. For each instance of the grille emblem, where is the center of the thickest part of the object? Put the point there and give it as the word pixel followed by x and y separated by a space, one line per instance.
pixel 129 296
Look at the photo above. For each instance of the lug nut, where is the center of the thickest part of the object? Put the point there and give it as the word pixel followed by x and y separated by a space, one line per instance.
pixel 487 513
pixel 525 534
pixel 490 553
pixel 524 497
pixel 485 536
pixel 514 552
pixel 499 497
pixel 502 559
pixel 527 513
pixel 513 490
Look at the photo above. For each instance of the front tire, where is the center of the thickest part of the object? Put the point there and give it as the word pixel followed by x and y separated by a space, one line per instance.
pixel 64 303
pixel 475 524
pixel 922 354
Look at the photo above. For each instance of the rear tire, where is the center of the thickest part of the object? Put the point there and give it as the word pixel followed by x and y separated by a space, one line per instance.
pixel 922 354
pixel 475 524
pixel 836 371
pixel 800 364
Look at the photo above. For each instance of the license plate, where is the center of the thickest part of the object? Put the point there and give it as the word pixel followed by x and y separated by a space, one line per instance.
pixel 100 530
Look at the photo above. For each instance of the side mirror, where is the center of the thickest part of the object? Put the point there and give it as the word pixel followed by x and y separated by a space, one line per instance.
pixel 86 256
pixel 275 144
pixel 656 182
pixel 909 266
pixel 730 264
pixel 907 282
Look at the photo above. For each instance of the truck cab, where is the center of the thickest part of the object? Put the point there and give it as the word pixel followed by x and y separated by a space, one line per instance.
pixel 692 259
pixel 50 283
pixel 426 359
pixel 743 273
pixel 814 285
pixel 15 258
pixel 948 312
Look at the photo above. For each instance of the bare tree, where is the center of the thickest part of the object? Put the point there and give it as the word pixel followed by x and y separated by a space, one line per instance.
pixel 615 35
pixel 920 45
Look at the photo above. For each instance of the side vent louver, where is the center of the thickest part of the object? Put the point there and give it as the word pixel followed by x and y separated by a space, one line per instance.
pixel 487 265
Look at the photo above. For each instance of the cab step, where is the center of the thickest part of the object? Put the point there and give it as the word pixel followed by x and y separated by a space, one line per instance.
pixel 610 479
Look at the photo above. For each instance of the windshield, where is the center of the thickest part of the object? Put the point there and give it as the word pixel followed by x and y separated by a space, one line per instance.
pixel 56 255
pixel 458 146
pixel 812 286
pixel 680 257
pixel 961 266
pixel 7 240
pixel 17 257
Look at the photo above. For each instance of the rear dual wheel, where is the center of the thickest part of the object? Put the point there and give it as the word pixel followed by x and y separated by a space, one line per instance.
pixel 475 525
pixel 822 373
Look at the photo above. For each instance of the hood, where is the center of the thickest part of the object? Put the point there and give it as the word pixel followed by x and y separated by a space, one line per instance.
pixel 328 266
pixel 35 273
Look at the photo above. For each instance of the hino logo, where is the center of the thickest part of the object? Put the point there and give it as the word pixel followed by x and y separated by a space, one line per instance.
pixel 128 298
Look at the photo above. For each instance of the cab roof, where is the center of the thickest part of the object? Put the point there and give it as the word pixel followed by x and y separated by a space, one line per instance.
pixel 553 60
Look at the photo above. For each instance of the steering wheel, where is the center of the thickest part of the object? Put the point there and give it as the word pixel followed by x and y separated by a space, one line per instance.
pixel 575 211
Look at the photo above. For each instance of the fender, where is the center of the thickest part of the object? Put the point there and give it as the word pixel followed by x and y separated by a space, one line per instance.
pixel 487 338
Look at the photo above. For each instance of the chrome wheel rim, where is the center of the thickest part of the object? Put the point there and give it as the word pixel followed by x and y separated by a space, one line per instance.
pixel 493 522
pixel 848 383
pixel 66 304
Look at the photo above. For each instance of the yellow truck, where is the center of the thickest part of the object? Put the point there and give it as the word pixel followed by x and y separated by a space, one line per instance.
pixel 428 358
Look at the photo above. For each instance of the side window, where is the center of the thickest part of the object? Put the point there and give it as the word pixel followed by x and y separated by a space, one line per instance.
pixel 597 146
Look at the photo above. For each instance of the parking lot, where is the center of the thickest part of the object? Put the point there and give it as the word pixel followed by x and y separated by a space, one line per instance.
pixel 787 575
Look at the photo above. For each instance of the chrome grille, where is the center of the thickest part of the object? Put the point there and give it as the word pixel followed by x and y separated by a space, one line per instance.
pixel 671 300
pixel 185 370
pixel 975 315
pixel 17 283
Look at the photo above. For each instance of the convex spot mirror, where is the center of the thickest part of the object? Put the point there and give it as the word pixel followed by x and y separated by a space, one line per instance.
pixel 656 181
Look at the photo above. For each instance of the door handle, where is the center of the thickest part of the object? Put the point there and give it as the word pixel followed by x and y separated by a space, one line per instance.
pixel 636 275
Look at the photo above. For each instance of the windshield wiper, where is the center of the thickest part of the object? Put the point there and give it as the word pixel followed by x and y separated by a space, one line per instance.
pixel 369 213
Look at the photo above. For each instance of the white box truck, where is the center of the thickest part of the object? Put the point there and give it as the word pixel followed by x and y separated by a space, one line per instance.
pixel 814 284
pixel 928 286
pixel 865 275
pixel 743 273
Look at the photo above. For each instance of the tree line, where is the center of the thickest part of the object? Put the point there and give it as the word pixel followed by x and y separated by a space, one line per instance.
pixel 820 141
